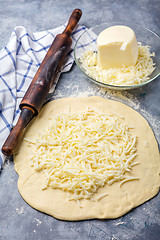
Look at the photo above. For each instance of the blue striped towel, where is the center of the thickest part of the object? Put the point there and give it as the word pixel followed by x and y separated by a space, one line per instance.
pixel 19 61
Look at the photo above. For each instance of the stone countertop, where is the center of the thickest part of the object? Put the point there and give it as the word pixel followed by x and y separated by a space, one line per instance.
pixel 19 221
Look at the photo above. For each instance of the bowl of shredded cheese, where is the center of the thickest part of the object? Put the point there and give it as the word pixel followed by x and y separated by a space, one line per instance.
pixel 146 69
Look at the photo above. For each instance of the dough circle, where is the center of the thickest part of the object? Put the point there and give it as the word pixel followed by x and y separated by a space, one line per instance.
pixel 120 200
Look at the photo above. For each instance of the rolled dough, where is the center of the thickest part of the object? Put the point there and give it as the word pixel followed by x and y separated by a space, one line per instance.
pixel 119 200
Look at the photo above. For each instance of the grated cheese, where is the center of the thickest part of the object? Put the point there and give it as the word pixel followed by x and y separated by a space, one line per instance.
pixel 101 196
pixel 132 75
pixel 128 179
pixel 81 152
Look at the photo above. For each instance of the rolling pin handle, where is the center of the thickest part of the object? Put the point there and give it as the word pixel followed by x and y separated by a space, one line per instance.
pixel 17 132
pixel 73 20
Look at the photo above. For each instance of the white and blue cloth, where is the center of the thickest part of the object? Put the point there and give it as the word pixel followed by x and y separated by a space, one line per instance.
pixel 19 61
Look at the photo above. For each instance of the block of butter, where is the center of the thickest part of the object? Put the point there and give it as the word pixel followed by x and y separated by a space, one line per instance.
pixel 117 47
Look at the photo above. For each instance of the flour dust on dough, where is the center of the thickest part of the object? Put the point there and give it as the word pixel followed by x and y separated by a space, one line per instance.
pixel 119 199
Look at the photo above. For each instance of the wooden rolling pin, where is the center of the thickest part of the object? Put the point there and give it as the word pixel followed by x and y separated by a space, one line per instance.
pixel 42 82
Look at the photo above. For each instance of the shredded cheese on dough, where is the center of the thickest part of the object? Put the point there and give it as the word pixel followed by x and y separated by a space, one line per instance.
pixel 81 152
pixel 132 75
pixel 101 196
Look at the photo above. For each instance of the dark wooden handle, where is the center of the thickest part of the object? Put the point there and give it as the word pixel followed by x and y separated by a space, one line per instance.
pixel 17 132
pixel 73 20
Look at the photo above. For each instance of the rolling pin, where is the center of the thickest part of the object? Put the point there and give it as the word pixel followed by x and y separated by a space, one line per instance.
pixel 42 82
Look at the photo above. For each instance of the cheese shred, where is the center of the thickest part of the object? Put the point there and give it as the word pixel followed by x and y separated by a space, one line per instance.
pixel 81 152
pixel 125 76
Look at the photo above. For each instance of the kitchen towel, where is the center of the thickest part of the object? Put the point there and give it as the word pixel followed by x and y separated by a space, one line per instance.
pixel 19 61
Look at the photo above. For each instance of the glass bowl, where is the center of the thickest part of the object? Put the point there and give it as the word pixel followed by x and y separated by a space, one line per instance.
pixel 87 41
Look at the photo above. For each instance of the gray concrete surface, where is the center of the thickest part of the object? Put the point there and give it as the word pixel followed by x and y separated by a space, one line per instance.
pixel 18 221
